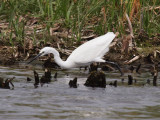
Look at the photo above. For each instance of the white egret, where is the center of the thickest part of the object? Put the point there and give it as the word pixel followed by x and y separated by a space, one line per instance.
pixel 85 54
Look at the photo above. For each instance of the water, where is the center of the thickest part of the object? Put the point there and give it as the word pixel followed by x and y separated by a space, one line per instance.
pixel 57 101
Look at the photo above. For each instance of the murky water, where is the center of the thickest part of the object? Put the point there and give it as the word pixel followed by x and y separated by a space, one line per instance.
pixel 57 101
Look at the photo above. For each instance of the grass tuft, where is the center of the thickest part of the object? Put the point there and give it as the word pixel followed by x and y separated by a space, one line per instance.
pixel 79 17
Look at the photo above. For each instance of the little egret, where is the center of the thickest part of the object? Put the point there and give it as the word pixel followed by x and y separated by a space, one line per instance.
pixel 85 54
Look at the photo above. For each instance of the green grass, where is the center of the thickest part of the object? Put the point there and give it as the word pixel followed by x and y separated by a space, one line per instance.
pixel 78 16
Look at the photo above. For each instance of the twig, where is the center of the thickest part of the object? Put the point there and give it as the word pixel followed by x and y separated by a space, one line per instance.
pixel 88 37
pixel 130 25
pixel 62 35
pixel 152 8
pixel 132 60
pixel 131 36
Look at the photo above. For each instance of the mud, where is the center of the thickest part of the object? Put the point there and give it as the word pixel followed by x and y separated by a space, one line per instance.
pixel 12 55
pixel 6 56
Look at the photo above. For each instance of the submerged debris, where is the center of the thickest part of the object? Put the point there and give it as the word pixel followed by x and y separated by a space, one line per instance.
pixel 46 78
pixel 148 81
pixel 113 84
pixel 73 83
pixel 155 78
pixel 122 80
pixel 36 77
pixel 29 79
pixel 47 75
pixel 96 79
pixel 154 72
pixel 130 80
pixel 5 85
pixel 55 75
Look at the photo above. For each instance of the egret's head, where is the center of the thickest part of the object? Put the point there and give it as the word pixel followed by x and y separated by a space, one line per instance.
pixel 43 51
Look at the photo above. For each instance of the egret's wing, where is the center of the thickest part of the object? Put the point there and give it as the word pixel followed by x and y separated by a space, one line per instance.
pixel 91 50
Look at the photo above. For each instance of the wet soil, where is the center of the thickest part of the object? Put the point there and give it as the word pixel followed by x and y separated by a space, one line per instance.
pixel 6 56
pixel 11 55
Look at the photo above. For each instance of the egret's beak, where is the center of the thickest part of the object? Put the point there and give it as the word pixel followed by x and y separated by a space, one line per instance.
pixel 35 57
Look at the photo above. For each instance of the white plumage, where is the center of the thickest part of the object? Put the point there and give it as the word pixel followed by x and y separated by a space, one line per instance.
pixel 85 54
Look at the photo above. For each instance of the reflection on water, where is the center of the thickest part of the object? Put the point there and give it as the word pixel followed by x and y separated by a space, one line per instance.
pixel 57 101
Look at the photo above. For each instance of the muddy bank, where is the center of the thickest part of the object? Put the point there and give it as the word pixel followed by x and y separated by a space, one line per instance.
pixel 6 56
pixel 12 55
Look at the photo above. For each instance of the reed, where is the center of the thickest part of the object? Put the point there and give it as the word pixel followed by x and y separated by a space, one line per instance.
pixel 78 16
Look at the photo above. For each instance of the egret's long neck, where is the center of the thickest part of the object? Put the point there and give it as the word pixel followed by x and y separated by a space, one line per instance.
pixel 57 58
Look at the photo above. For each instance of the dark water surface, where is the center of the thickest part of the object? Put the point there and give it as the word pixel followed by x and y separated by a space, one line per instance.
pixel 57 101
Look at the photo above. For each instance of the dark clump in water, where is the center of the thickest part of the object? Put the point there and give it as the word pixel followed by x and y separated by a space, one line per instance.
pixel 6 84
pixel 36 77
pixel 130 80
pixel 73 83
pixel 148 81
pixel 155 79
pixel 155 74
pixel 29 79
pixel 113 84
pixel 47 75
pixel 46 78
pixel 96 79
pixel 55 75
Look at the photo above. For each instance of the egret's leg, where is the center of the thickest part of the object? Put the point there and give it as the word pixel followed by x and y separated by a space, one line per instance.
pixel 113 63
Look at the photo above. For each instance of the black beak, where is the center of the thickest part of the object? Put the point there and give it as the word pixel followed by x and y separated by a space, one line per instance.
pixel 35 58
